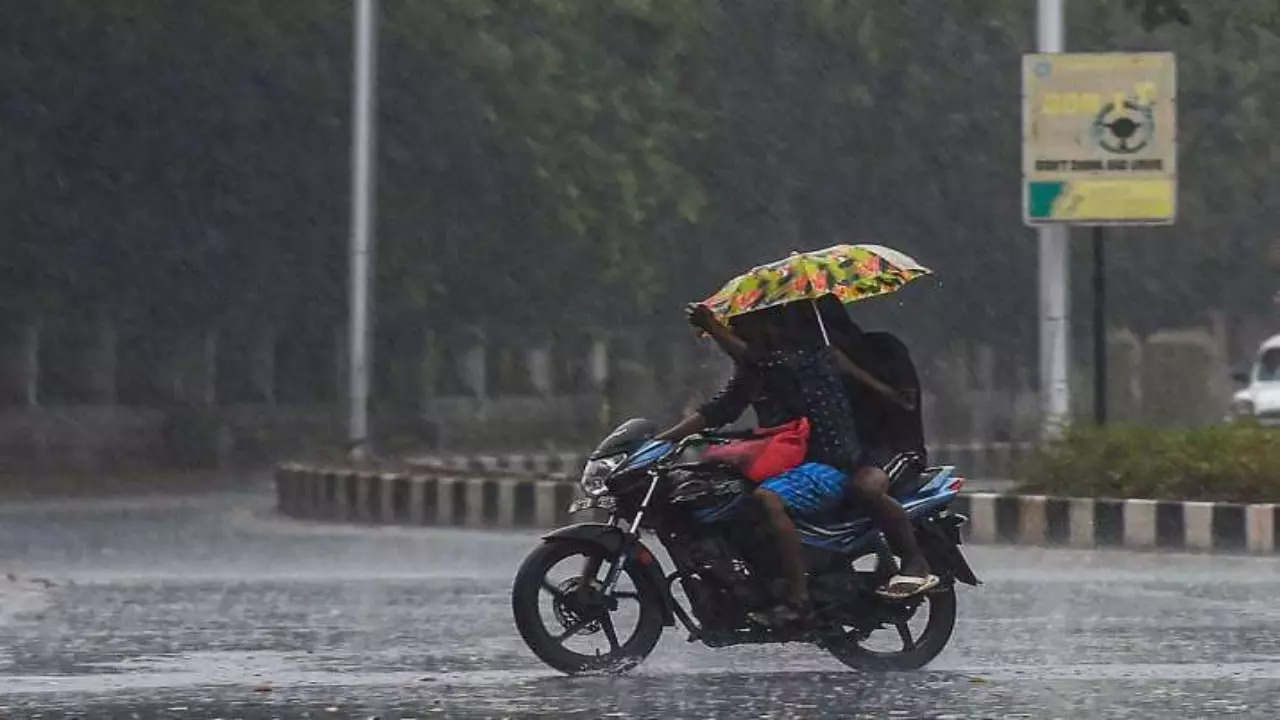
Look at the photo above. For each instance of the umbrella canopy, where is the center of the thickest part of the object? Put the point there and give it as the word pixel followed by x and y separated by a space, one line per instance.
pixel 850 272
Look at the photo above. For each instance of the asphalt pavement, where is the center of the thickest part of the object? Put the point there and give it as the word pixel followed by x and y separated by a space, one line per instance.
pixel 208 606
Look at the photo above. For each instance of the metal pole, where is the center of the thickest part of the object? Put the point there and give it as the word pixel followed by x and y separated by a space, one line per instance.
pixel 1099 328
pixel 362 230
pixel 1055 388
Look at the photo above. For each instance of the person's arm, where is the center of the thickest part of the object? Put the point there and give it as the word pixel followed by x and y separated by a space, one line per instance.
pixel 701 317
pixel 683 429
pixel 727 406
pixel 847 367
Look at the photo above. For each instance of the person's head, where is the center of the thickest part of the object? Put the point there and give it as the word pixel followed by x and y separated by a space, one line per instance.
pixel 886 350
pixel 800 328
pixel 751 327
pixel 842 329
pixel 763 329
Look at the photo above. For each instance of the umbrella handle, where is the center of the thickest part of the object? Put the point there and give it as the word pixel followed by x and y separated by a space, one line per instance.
pixel 826 339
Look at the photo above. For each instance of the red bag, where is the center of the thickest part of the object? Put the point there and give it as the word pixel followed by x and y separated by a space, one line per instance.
pixel 771 451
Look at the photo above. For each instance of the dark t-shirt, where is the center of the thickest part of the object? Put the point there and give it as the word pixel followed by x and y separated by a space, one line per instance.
pixel 886 425
pixel 785 385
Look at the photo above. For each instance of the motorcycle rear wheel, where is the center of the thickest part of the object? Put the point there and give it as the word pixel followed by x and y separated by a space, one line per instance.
pixel 920 651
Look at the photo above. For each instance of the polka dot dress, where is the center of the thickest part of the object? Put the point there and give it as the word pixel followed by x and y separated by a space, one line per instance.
pixel 806 384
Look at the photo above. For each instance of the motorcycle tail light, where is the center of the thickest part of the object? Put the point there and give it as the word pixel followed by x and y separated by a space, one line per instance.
pixel 956 483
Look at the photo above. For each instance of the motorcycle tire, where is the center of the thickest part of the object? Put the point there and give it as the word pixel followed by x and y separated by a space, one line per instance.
pixel 526 607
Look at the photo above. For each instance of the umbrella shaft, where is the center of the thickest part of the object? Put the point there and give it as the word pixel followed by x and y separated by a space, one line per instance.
pixel 826 340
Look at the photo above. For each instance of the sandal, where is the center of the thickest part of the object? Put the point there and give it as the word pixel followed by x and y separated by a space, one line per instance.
pixel 901 587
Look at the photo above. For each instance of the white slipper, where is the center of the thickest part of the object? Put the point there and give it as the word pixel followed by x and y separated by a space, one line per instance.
pixel 907 586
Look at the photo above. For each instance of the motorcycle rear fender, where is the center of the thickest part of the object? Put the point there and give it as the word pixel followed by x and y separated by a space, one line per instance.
pixel 611 539
pixel 941 545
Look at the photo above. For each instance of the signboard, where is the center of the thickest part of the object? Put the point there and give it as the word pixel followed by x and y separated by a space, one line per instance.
pixel 1099 138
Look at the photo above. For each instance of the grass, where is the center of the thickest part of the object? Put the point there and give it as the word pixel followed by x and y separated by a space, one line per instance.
pixel 1231 463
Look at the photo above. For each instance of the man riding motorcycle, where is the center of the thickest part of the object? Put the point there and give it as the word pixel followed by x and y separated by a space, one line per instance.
pixel 785 375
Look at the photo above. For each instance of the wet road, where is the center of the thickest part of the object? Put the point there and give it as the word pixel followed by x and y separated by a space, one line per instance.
pixel 207 606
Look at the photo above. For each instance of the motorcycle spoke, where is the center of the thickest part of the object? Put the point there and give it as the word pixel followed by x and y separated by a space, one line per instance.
pixel 571 630
pixel 606 622
pixel 626 595
pixel 551 588
pixel 904 632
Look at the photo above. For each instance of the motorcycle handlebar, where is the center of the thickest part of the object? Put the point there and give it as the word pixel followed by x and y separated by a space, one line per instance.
pixel 698 439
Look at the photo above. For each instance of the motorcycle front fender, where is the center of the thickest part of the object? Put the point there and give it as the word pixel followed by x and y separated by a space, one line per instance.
pixel 614 541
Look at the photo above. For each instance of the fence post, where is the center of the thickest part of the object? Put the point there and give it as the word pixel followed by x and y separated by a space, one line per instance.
pixel 537 362
pixel 262 365
pixel 21 364
pixel 99 363
pixel 599 378
pixel 473 359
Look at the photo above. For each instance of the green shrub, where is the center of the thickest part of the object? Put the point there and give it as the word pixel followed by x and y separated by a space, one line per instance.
pixel 1237 463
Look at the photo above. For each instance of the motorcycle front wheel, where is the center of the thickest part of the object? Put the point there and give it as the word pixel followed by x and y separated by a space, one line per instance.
pixel 554 610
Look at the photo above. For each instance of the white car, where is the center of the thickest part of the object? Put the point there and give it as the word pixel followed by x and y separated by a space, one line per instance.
pixel 1260 397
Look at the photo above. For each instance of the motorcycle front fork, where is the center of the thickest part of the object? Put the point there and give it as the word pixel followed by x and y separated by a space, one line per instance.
pixel 591 566
pixel 632 535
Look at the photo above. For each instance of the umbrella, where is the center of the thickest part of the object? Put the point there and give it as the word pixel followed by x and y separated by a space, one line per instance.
pixel 850 272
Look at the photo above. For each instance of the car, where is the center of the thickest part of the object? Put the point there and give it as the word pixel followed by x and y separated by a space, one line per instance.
pixel 1260 397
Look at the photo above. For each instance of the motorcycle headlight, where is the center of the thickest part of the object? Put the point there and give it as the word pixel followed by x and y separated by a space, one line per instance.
pixel 595 473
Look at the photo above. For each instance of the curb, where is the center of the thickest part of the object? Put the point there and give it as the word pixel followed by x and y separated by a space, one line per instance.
pixel 559 467
pixel 1130 523
pixel 452 498
pixel 976 460
pixel 421 498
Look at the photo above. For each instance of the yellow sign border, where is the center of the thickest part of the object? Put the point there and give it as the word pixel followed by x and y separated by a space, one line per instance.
pixel 1158 191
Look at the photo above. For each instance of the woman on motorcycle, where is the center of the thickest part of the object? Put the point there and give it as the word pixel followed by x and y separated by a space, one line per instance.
pixel 784 375
pixel 887 415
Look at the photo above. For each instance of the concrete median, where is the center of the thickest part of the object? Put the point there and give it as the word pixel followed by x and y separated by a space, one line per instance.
pixel 491 493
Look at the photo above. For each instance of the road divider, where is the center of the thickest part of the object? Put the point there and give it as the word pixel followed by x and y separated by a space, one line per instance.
pixel 495 497
pixel 1127 523
pixel 421 497
pixel 977 461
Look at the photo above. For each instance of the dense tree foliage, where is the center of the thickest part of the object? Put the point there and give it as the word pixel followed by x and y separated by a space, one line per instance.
pixel 559 162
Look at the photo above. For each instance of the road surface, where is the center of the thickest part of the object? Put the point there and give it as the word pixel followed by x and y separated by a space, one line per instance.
pixel 208 606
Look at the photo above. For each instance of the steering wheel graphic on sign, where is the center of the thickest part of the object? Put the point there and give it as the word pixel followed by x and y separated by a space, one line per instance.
pixel 1124 129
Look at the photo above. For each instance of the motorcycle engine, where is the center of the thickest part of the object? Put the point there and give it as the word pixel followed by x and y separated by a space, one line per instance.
pixel 716 561
pixel 721 566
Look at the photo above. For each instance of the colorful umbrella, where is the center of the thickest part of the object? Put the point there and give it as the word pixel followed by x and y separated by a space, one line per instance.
pixel 850 272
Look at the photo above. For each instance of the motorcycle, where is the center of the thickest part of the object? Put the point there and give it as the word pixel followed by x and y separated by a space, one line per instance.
pixel 705 517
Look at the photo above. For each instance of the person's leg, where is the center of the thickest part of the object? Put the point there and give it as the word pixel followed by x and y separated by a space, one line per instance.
pixel 868 487
pixel 807 489
pixel 790 550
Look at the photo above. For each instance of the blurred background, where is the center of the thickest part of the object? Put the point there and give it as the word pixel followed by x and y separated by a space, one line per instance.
pixel 555 179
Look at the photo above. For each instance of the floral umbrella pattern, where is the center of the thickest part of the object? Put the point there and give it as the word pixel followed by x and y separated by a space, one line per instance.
pixel 850 272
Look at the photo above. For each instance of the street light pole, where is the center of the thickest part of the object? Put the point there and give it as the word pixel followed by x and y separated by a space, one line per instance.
pixel 1055 323
pixel 363 183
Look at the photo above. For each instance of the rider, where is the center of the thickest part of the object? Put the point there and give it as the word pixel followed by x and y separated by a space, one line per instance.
pixel 891 430
pixel 896 431
pixel 783 379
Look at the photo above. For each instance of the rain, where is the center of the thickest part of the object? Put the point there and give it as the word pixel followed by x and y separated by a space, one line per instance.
pixel 311 313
